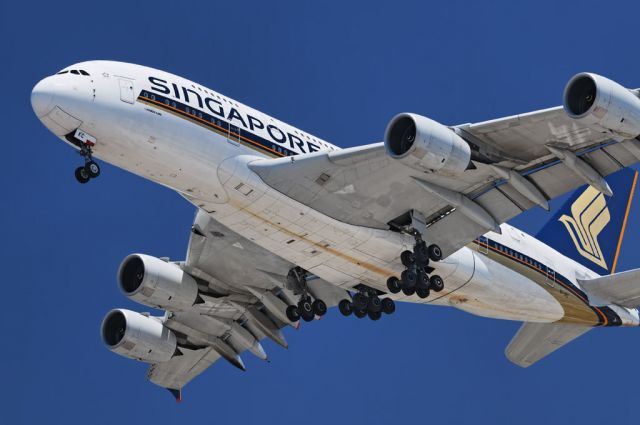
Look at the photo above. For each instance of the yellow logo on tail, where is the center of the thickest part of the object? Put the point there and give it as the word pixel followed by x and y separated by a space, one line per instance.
pixel 590 216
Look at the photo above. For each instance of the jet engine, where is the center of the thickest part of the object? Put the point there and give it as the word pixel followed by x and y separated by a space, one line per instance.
pixel 596 100
pixel 156 283
pixel 138 337
pixel 425 145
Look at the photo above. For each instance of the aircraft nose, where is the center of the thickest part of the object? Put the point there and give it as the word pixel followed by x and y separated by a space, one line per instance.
pixel 42 97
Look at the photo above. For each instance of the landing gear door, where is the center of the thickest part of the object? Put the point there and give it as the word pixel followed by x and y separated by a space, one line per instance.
pixel 126 90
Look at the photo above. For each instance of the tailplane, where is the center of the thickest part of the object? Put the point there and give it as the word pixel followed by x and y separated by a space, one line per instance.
pixel 590 226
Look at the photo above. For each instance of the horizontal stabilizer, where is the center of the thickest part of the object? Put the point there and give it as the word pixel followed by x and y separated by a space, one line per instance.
pixel 622 289
pixel 537 340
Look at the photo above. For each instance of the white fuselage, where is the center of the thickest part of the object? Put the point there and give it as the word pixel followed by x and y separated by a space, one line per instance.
pixel 199 143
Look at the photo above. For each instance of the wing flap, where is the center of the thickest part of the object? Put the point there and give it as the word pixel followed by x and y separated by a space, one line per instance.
pixel 622 289
pixel 534 341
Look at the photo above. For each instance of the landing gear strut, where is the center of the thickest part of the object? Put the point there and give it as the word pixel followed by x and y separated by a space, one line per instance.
pixel 415 278
pixel 307 308
pixel 91 169
pixel 367 302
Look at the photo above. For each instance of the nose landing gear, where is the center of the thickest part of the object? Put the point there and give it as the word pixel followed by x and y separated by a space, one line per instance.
pixel 91 169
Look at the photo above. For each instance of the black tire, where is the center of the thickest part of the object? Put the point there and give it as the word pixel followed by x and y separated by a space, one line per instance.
pixel 359 313
pixel 82 176
pixel 436 283
pixel 375 304
pixel 388 306
pixel 93 169
pixel 308 317
pixel 360 301
pixel 407 258
pixel 305 307
pixel 435 253
pixel 374 315
pixel 393 285
pixel 292 313
pixel 409 279
pixel 408 291
pixel 422 291
pixel 345 307
pixel 319 307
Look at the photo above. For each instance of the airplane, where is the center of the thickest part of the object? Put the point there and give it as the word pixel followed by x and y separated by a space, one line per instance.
pixel 288 225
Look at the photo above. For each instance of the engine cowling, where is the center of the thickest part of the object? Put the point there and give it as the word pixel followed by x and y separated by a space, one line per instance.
pixel 426 145
pixel 156 283
pixel 138 337
pixel 595 100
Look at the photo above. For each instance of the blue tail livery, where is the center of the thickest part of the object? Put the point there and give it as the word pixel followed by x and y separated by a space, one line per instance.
pixel 590 226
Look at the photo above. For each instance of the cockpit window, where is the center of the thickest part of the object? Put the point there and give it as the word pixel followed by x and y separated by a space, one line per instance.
pixel 83 72
pixel 73 71
pixel 62 72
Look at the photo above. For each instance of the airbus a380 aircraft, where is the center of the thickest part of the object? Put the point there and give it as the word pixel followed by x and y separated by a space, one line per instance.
pixel 288 224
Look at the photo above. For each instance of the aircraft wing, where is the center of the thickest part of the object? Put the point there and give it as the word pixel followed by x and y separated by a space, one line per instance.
pixel 242 302
pixel 366 187
pixel 533 341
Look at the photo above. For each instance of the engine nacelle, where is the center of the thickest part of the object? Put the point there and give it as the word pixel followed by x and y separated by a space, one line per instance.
pixel 595 100
pixel 156 283
pixel 426 145
pixel 139 337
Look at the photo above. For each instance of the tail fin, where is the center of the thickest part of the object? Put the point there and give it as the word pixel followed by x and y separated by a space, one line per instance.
pixel 590 226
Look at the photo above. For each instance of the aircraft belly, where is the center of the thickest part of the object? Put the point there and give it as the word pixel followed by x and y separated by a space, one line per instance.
pixel 499 292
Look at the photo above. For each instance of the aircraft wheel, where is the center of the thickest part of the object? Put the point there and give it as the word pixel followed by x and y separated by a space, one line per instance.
pixel 436 283
pixel 82 175
pixel 422 291
pixel 407 258
pixel 345 307
pixel 292 313
pixel 360 301
pixel 374 315
pixel 319 307
pixel 375 305
pixel 435 253
pixel 408 291
pixel 393 285
pixel 409 278
pixel 93 169
pixel 359 313
pixel 388 306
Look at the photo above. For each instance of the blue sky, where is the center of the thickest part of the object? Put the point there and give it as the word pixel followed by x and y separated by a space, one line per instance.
pixel 339 70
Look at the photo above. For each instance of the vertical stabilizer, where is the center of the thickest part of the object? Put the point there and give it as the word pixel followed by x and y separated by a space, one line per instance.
pixel 590 226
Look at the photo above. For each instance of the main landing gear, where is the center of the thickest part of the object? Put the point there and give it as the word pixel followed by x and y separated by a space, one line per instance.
pixel 91 169
pixel 366 302
pixel 307 308
pixel 415 278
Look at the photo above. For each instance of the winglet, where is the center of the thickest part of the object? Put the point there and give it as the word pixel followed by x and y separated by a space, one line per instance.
pixel 177 394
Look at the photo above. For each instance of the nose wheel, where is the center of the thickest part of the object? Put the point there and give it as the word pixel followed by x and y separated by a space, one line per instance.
pixel 90 170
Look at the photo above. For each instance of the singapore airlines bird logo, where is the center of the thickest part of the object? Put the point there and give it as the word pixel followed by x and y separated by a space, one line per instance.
pixel 590 216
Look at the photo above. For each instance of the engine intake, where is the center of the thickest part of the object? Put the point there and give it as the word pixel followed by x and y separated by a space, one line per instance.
pixel 139 337
pixel 426 145
pixel 156 283
pixel 595 100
